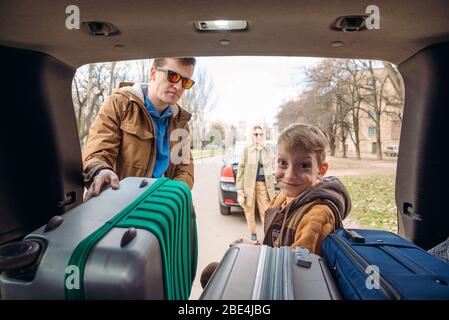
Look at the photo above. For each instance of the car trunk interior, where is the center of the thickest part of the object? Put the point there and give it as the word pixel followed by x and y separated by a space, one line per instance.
pixel 40 158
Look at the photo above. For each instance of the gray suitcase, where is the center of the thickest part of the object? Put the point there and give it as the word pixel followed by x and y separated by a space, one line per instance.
pixel 115 269
pixel 252 272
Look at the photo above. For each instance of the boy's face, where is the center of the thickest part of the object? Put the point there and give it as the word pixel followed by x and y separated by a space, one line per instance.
pixel 297 171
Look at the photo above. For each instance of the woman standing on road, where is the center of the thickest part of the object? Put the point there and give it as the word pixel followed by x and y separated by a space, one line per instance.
pixel 255 181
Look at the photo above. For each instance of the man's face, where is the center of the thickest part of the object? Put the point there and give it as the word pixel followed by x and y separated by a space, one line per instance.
pixel 297 171
pixel 166 92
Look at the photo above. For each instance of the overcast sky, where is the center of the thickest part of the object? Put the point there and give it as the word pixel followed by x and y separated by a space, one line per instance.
pixel 252 88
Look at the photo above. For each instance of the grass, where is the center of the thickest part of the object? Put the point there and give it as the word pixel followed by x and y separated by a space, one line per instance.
pixel 373 201
pixel 200 154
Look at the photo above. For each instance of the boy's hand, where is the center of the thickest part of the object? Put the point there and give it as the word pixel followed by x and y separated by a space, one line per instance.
pixel 103 179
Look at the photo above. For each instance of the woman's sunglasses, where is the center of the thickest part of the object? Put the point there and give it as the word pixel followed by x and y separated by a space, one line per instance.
pixel 258 134
pixel 174 77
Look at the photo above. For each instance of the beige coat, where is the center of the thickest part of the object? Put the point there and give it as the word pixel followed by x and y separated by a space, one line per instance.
pixel 122 138
pixel 247 172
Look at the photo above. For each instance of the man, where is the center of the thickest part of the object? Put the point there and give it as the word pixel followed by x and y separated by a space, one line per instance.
pixel 141 131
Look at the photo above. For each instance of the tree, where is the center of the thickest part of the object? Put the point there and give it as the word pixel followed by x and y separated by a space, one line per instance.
pixel 219 126
pixel 143 69
pixel 348 93
pixel 324 108
pixel 198 100
pixel 233 135
pixel 90 86
pixel 379 99
pixel 337 92
pixel 288 113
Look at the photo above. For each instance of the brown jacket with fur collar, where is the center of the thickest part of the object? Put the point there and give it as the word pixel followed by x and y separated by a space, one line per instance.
pixel 306 220
pixel 122 138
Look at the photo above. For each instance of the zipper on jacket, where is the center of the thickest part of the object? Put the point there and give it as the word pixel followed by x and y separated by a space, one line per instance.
pixel 385 287
pixel 149 162
pixel 145 111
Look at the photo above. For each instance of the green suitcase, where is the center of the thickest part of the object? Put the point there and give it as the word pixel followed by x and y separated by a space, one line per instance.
pixel 165 210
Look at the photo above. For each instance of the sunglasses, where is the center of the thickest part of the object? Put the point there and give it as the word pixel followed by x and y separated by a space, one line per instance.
pixel 174 77
pixel 258 134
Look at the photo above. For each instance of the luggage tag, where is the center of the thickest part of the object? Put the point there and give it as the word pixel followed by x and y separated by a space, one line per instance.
pixel 302 257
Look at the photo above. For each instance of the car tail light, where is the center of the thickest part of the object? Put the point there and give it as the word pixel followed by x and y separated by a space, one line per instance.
pixel 228 201
pixel 227 175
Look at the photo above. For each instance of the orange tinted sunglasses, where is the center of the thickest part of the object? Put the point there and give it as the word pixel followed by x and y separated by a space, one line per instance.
pixel 174 77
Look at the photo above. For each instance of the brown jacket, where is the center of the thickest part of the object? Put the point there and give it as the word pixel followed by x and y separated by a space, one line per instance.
pixel 122 138
pixel 306 220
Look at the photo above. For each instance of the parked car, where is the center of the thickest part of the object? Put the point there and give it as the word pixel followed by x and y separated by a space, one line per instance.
pixel 227 195
pixel 392 151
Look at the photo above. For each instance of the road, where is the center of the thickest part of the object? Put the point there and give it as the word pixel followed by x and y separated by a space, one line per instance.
pixel 215 231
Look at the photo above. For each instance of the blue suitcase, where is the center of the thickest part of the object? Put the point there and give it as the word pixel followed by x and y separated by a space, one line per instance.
pixel 380 265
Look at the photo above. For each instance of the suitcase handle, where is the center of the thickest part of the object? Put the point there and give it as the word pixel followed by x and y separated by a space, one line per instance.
pixel 354 236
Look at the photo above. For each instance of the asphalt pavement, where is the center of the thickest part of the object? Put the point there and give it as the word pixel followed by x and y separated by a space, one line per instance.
pixel 215 231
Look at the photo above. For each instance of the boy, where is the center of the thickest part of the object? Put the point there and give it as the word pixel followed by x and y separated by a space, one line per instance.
pixel 309 206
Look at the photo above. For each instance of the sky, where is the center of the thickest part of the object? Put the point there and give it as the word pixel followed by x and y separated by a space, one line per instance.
pixel 253 88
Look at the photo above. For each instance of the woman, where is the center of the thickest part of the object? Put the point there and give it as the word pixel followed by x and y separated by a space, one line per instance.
pixel 255 181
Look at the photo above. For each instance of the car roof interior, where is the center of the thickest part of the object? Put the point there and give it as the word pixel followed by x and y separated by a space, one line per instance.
pixel 165 28
pixel 40 158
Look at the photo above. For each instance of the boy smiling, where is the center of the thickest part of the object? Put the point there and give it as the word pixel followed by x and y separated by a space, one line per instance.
pixel 309 206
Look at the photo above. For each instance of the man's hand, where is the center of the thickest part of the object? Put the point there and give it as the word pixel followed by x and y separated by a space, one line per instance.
pixel 103 179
